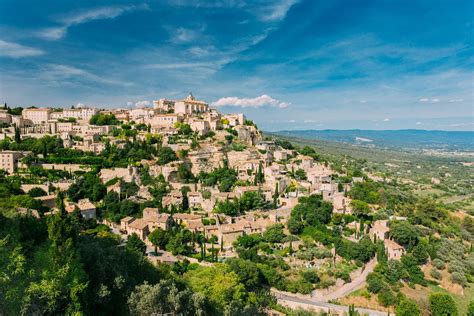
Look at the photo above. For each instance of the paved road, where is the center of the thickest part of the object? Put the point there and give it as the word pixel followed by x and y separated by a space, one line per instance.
pixel 328 307
pixel 352 286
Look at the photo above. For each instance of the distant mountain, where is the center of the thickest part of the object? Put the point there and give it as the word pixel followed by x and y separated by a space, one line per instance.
pixel 402 139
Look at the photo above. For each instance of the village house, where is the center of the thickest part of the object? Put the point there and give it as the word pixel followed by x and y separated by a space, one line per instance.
pixel 9 160
pixel 37 116
pixel 190 106
pixel 394 250
pixel 85 207
pixel 380 230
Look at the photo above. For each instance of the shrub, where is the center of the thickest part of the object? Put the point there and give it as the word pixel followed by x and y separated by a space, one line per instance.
pixel 435 274
pixel 326 281
pixel 386 297
pixel 455 266
pixel 438 263
pixel 459 278
pixel 310 276
pixel 375 282
pixel 442 304
pixel 407 307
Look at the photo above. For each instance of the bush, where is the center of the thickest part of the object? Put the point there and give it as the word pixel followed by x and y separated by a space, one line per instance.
pixel 386 297
pixel 310 276
pixel 459 278
pixel 375 282
pixel 442 304
pixel 407 307
pixel 435 274
pixel 438 263
pixel 455 266
pixel 326 281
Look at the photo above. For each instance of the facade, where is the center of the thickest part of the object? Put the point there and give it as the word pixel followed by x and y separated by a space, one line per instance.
pixel 163 105
pixel 9 160
pixel 37 116
pixel 190 106
pixel 164 120
pixel 84 113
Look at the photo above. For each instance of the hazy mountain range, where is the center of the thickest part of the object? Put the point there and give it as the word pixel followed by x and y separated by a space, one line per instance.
pixel 404 139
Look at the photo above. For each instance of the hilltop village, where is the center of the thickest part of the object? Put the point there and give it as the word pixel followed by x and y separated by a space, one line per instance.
pixel 208 196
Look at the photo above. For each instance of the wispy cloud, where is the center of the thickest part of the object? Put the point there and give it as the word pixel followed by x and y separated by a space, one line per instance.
pixel 110 12
pixel 425 100
pixel 263 100
pixel 455 100
pixel 55 73
pixel 386 120
pixel 277 11
pixel 14 50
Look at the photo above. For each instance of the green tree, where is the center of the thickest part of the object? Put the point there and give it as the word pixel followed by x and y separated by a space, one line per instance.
pixel 135 244
pixel 166 298
pixel 442 304
pixel 407 307
pixel 404 233
pixel 159 238
pixel 17 135
pixel 166 155
pixel 360 208
pixel 274 233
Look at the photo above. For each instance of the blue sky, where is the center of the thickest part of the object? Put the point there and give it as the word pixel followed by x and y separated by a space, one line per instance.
pixel 287 64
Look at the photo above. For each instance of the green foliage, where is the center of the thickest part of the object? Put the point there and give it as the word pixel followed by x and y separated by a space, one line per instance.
pixel 184 174
pixel 228 207
pixel 415 274
pixel 362 251
pixel 360 208
pixel 35 192
pixel 274 233
pixel 246 271
pixel 224 177
pixel 404 233
pixel 442 304
pixel 135 244
pixel 310 211
pixel 166 297
pixel 166 155
pixel 103 119
pixel 375 282
pixel 407 307
pixel 87 186
pixel 217 283
pixel 470 309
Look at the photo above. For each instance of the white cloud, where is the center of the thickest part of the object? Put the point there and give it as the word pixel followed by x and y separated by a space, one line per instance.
pixel 363 101
pixel 52 33
pixel 386 120
pixel 102 13
pixel 277 11
pixel 182 35
pixel 419 123
pixel 14 50
pixel 434 100
pixel 455 100
pixel 263 100
pixel 142 104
